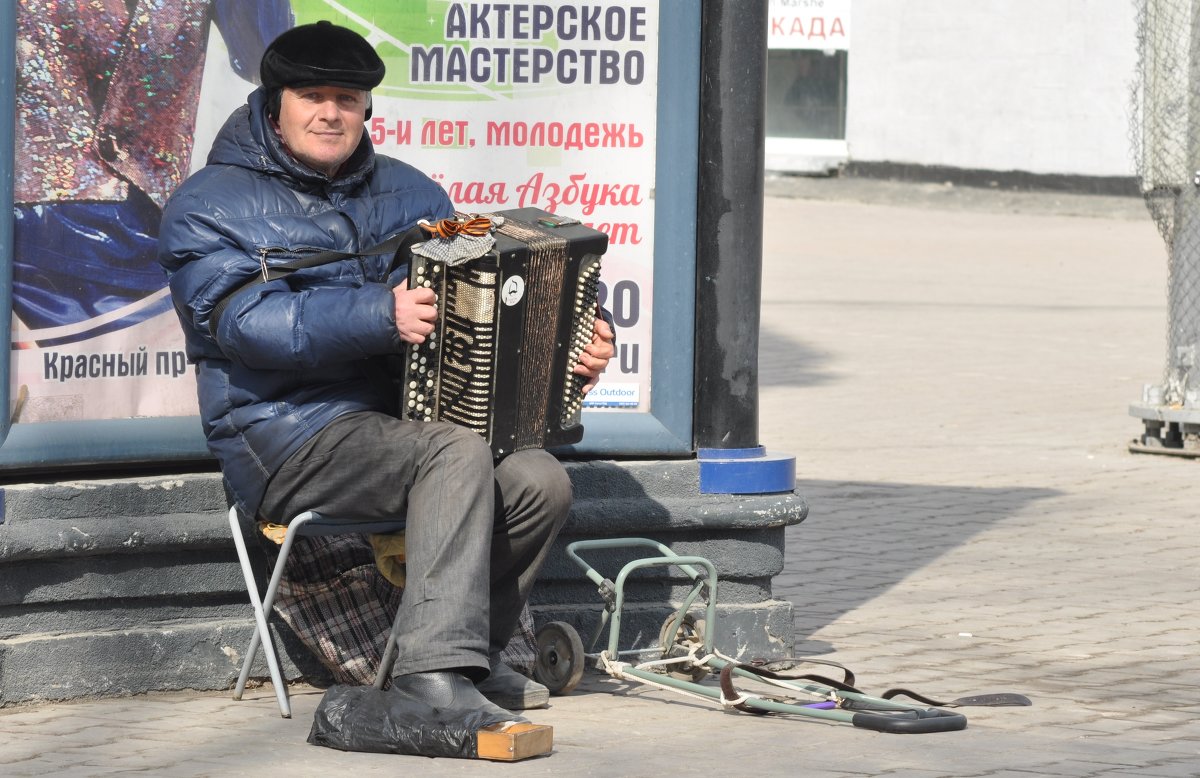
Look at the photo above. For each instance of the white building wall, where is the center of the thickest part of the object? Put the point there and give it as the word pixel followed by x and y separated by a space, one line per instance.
pixel 1040 86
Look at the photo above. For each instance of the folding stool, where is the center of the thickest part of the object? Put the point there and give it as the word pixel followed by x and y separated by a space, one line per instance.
pixel 311 524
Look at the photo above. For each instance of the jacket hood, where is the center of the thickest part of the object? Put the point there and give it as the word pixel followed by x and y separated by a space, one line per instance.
pixel 248 139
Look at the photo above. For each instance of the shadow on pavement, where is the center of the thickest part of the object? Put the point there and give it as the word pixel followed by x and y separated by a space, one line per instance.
pixel 863 538
pixel 785 361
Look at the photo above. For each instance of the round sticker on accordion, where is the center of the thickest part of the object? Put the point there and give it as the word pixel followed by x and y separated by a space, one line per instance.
pixel 513 290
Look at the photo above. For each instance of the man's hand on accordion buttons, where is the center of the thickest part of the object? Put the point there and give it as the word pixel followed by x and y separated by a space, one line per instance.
pixel 415 312
pixel 596 354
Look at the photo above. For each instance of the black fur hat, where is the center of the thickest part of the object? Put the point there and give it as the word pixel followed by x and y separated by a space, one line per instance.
pixel 321 54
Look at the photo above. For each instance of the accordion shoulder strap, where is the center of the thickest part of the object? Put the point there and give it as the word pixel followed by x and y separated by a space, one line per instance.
pixel 390 246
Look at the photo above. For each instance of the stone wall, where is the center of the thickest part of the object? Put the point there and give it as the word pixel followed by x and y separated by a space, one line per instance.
pixel 122 586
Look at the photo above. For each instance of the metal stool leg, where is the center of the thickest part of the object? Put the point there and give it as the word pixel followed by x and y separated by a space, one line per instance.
pixel 260 624
pixel 262 635
pixel 388 657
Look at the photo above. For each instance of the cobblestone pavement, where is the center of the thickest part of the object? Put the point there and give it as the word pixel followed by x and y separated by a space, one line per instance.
pixel 955 383
pixel 952 370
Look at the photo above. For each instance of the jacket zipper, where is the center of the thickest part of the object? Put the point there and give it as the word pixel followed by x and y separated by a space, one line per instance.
pixel 262 261
pixel 296 253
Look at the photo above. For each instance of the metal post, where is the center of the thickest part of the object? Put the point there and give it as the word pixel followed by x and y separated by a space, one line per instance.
pixel 733 68
pixel 729 224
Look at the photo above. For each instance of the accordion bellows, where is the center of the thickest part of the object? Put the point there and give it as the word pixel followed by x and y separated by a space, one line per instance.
pixel 511 326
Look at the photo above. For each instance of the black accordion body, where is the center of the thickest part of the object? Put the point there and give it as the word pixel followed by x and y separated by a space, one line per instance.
pixel 511 326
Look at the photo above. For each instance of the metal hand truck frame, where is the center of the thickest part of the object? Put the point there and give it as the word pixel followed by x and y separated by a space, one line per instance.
pixel 685 655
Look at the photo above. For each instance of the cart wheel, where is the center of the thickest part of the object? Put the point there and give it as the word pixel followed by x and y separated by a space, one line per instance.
pixel 560 659
pixel 689 632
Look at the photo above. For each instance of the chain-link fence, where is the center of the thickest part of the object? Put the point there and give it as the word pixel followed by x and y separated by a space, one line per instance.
pixel 1166 142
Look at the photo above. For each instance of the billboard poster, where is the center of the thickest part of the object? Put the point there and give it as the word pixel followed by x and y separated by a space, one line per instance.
pixel 506 105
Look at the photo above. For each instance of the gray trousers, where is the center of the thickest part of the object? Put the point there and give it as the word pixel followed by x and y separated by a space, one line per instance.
pixel 476 532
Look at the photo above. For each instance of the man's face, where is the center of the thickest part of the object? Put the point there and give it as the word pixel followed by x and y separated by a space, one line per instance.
pixel 322 125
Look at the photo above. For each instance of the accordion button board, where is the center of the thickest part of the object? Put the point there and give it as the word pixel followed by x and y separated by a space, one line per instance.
pixel 510 329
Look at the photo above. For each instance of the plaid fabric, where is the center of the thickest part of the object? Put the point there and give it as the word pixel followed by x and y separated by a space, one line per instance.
pixel 335 599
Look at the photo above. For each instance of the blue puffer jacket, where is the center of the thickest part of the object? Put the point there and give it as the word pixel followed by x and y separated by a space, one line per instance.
pixel 292 354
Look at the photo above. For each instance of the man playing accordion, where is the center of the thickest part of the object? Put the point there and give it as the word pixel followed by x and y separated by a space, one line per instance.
pixel 295 397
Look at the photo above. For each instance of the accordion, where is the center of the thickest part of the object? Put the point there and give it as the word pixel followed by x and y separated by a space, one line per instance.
pixel 511 326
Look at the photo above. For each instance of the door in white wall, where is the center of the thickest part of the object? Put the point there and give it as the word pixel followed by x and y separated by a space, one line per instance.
pixel 809 42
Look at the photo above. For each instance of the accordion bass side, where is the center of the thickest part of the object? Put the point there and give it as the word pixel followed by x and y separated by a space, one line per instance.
pixel 510 328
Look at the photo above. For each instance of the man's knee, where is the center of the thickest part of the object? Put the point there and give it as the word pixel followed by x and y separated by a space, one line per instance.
pixel 540 480
pixel 462 445
pixel 556 492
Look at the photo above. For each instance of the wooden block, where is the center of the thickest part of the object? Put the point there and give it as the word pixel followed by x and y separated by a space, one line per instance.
pixel 519 741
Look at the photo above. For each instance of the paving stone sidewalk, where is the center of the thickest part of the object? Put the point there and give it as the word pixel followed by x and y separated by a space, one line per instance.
pixel 952 370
